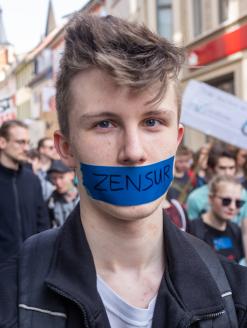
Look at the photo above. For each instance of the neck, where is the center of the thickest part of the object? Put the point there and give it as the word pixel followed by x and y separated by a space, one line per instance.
pixel 179 174
pixel 45 163
pixel 201 173
pixel 8 162
pixel 71 194
pixel 212 220
pixel 136 244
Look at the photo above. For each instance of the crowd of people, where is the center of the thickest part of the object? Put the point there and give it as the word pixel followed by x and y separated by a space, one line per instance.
pixel 38 191
pixel 207 198
pixel 115 258
pixel 210 186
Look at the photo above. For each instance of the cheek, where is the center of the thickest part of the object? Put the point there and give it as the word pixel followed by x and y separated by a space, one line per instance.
pixel 94 150
pixel 216 207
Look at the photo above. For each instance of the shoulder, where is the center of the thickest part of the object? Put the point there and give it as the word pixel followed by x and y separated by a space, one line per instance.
pixel 40 242
pixel 197 227
pixel 196 222
pixel 237 277
pixel 28 174
pixel 234 226
pixel 199 192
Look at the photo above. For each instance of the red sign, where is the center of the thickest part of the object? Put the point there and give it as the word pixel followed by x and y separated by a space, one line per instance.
pixel 220 47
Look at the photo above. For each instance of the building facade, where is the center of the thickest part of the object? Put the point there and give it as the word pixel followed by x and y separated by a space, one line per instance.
pixel 216 45
pixel 213 33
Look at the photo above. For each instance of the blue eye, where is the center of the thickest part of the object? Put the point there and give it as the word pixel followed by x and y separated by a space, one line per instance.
pixel 151 122
pixel 104 124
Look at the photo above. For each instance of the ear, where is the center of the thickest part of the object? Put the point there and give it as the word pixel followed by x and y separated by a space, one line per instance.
pixel 64 149
pixel 3 143
pixel 210 198
pixel 180 133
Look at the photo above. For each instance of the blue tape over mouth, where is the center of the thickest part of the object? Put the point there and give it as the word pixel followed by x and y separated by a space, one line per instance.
pixel 128 185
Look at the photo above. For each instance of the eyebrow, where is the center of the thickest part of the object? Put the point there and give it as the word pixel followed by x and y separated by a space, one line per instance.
pixel 165 112
pixel 88 116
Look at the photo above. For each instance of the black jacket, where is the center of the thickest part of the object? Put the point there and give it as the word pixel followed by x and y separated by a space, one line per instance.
pixel 57 284
pixel 22 209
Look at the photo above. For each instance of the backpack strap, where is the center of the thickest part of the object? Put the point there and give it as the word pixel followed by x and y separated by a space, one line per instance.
pixel 181 213
pixel 215 268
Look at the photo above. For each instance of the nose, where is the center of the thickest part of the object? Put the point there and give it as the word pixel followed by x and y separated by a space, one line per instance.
pixel 232 205
pixel 26 147
pixel 229 171
pixel 57 183
pixel 131 151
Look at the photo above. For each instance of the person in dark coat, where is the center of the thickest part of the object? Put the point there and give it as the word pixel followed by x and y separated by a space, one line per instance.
pixel 22 209
pixel 116 261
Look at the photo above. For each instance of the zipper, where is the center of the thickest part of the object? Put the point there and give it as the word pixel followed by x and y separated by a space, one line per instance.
pixel 206 317
pixel 82 308
pixel 18 210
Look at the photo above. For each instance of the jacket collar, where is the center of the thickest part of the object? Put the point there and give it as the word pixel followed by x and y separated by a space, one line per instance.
pixel 73 273
pixel 10 172
pixel 188 275
pixel 72 270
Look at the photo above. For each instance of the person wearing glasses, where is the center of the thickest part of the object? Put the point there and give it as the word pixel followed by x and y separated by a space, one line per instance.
pixel 117 261
pixel 215 226
pixel 22 209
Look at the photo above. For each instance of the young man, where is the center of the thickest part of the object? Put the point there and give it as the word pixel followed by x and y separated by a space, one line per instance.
pixel 182 183
pixel 48 154
pixel 215 226
pixel 116 262
pixel 22 209
pixel 64 198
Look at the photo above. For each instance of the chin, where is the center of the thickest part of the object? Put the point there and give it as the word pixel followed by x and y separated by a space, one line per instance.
pixel 128 213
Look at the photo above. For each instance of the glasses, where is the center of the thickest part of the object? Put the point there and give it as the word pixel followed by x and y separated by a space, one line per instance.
pixel 49 147
pixel 226 201
pixel 22 142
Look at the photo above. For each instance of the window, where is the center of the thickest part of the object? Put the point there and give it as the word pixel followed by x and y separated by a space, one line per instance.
pixel 224 83
pixel 223 7
pixel 164 18
pixel 197 17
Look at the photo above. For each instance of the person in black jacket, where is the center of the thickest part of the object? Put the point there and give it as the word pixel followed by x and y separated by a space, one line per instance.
pixel 116 262
pixel 22 209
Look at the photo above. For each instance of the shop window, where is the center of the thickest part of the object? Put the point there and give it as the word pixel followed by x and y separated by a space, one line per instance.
pixel 164 18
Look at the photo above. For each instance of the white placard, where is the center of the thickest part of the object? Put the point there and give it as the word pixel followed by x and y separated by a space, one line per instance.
pixel 215 113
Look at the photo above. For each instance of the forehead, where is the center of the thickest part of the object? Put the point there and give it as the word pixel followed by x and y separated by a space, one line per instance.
pixel 225 161
pixel 18 132
pixel 183 156
pixel 228 188
pixel 48 143
pixel 242 152
pixel 58 174
pixel 93 89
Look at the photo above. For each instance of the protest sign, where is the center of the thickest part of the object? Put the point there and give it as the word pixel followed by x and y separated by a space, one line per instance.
pixel 215 113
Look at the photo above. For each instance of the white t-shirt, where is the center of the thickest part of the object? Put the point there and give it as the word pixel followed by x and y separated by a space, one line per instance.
pixel 120 313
